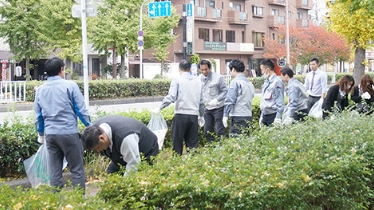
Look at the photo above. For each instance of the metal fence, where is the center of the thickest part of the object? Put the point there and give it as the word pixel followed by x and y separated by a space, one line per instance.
pixel 227 79
pixel 13 91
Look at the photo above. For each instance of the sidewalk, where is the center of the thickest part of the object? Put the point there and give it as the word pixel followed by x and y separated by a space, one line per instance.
pixel 27 106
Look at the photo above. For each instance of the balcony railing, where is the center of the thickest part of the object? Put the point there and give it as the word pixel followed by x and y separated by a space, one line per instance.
pixel 201 11
pixel 216 13
pixel 243 16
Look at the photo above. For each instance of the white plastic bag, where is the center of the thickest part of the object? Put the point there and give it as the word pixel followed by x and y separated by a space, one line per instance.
pixel 158 125
pixel 316 110
pixel 36 167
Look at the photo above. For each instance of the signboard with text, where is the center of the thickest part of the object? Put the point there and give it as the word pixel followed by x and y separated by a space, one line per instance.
pixel 215 46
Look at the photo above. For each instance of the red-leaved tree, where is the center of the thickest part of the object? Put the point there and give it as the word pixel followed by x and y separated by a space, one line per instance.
pixel 305 43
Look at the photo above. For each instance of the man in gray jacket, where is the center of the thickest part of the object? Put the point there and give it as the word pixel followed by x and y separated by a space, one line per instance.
pixel 185 92
pixel 297 97
pixel 238 104
pixel 272 99
pixel 214 94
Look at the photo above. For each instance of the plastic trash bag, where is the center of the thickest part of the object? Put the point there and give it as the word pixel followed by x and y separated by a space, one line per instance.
pixel 316 110
pixel 158 125
pixel 37 169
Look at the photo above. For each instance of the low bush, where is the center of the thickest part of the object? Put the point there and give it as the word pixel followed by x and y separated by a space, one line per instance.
pixel 311 165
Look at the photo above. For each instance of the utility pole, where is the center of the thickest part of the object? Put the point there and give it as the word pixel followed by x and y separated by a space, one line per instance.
pixel 141 49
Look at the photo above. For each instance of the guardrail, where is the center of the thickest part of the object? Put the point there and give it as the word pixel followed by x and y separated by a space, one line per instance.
pixel 12 91
pixel 227 79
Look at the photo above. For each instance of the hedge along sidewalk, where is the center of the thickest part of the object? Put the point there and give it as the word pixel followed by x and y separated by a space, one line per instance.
pixel 27 106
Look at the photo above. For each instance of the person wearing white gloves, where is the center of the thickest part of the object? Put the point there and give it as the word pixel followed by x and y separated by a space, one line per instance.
pixel 337 96
pixel 297 98
pixel 214 93
pixel 363 94
pixel 57 106
pixel 238 103
pixel 272 98
pixel 185 92
pixel 315 83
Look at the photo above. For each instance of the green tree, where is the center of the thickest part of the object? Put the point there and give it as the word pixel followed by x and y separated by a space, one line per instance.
pixel 117 24
pixel 60 30
pixel 356 24
pixel 21 29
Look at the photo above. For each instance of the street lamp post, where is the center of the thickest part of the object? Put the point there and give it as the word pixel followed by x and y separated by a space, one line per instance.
pixel 287 36
pixel 84 52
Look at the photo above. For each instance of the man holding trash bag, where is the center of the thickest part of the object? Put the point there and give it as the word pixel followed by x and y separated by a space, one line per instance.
pixel 57 105
pixel 214 92
pixel 185 92
pixel 122 139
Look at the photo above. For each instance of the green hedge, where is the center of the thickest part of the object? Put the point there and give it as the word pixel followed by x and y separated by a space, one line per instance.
pixel 115 89
pixel 311 165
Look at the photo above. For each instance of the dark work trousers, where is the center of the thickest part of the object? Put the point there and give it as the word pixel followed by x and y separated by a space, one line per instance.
pixel 300 114
pixel 70 146
pixel 268 119
pixel 113 167
pixel 213 118
pixel 312 100
pixel 239 123
pixel 184 127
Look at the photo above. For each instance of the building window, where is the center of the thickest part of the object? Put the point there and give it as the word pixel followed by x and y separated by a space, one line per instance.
pixel 238 7
pixel 273 36
pixel 257 10
pixel 299 15
pixel 217 35
pixel 258 39
pixel 275 12
pixel 230 36
pixel 196 2
pixel 204 34
pixel 289 14
pixel 243 37
pixel 211 4
pixel 304 2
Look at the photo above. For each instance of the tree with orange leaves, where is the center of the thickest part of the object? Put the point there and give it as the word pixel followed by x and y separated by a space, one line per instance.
pixel 305 43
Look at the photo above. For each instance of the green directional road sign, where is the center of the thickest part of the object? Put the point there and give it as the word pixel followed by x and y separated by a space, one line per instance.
pixel 159 9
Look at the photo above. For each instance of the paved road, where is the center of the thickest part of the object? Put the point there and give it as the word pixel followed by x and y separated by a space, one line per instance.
pixel 92 109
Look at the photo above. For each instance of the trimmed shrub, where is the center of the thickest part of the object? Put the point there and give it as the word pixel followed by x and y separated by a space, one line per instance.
pixel 311 165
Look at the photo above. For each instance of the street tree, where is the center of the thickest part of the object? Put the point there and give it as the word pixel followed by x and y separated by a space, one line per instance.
pixel 159 35
pixel 60 31
pixel 305 43
pixel 117 25
pixel 21 29
pixel 355 21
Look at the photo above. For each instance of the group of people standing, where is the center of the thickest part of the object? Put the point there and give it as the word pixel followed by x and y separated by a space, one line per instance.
pixel 212 105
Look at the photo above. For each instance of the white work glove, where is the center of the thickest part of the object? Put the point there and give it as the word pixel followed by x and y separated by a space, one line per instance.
pixel 260 122
pixel 201 121
pixel 288 121
pixel 366 95
pixel 224 121
pixel 156 110
pixel 277 121
pixel 41 139
pixel 213 102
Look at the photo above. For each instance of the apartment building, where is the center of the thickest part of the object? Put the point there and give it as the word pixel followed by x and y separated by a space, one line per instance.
pixel 224 30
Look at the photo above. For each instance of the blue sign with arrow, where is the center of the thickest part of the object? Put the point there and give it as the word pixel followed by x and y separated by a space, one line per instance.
pixel 159 9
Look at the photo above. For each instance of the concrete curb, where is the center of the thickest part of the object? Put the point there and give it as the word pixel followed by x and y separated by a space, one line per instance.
pixel 24 183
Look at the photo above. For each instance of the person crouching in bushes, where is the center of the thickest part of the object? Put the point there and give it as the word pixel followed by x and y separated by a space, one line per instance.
pixel 363 94
pixel 338 94
pixel 122 139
